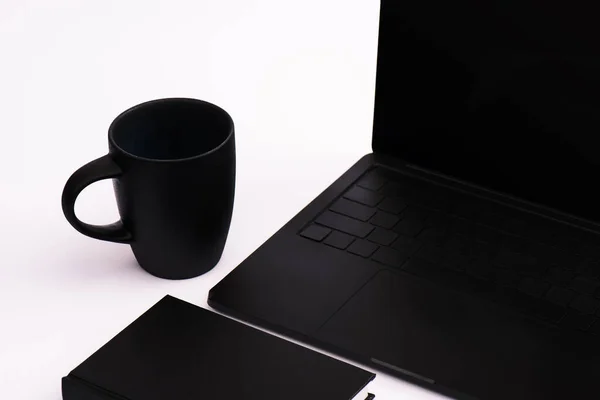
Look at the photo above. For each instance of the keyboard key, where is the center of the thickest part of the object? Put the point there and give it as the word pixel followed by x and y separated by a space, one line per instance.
pixel 372 181
pixel 571 244
pixel 585 304
pixel 382 236
pixel 390 257
pixel 590 249
pixel 533 287
pixel 550 312
pixel 583 285
pixel 344 224
pixel 409 226
pixel 434 235
pixel 479 269
pixel 363 196
pixel 352 209
pixel 561 259
pixel 523 260
pixel 543 252
pixel 433 199
pixel 573 320
pixel 423 269
pixel 542 232
pixel 455 262
pixel 479 286
pixel 506 259
pixel 431 253
pixel 407 245
pixel 315 232
pixel 560 296
pixel 588 268
pixel 512 244
pixel 384 220
pixel 530 232
pixel 568 239
pixel 394 189
pixel 530 266
pixel 462 206
pixel 484 234
pixel 417 213
pixel 362 248
pixel 582 245
pixel 490 219
pixel 595 329
pixel 440 220
pixel 482 251
pixel 521 302
pixel 339 240
pixel 560 277
pixel 506 278
pixel 514 226
pixel 464 227
pixel 454 279
pixel 458 244
pixel 392 205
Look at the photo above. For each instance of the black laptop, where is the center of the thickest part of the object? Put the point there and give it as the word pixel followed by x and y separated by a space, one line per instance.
pixel 463 253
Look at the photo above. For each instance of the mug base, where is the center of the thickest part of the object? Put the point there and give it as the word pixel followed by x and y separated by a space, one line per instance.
pixel 177 274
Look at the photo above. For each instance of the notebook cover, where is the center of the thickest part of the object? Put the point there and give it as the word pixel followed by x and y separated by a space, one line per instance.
pixel 180 351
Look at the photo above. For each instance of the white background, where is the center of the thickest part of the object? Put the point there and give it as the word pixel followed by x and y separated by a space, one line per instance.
pixel 298 79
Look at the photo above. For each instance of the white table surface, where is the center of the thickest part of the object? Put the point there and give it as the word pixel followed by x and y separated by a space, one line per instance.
pixel 298 78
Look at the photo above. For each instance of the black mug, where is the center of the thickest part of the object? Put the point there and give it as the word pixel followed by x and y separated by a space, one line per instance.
pixel 172 162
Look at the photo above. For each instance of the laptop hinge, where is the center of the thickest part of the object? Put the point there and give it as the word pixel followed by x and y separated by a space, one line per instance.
pixel 506 199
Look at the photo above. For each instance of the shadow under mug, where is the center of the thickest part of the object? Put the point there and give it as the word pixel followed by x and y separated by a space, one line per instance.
pixel 172 162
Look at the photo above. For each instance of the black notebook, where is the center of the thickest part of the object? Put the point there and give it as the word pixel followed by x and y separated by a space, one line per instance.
pixel 178 351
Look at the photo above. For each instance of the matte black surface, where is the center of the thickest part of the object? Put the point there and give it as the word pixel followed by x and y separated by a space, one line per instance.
pixel 501 93
pixel 179 351
pixel 173 166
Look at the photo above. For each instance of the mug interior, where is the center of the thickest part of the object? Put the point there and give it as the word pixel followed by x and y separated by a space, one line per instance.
pixel 171 129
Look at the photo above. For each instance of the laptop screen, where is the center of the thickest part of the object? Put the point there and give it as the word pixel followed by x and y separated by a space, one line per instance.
pixel 504 94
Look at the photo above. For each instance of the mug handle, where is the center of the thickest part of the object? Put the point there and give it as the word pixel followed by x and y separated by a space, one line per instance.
pixel 101 168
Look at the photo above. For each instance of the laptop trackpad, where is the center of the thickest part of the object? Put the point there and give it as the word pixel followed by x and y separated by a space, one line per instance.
pixel 410 326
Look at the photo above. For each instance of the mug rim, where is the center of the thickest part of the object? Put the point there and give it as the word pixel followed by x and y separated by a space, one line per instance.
pixel 111 128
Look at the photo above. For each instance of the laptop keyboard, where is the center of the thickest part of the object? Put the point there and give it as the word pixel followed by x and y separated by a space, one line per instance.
pixel 546 270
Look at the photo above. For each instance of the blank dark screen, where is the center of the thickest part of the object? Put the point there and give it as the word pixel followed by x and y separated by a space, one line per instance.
pixel 503 94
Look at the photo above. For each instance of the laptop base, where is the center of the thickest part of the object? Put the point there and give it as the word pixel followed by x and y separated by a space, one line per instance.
pixel 426 327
